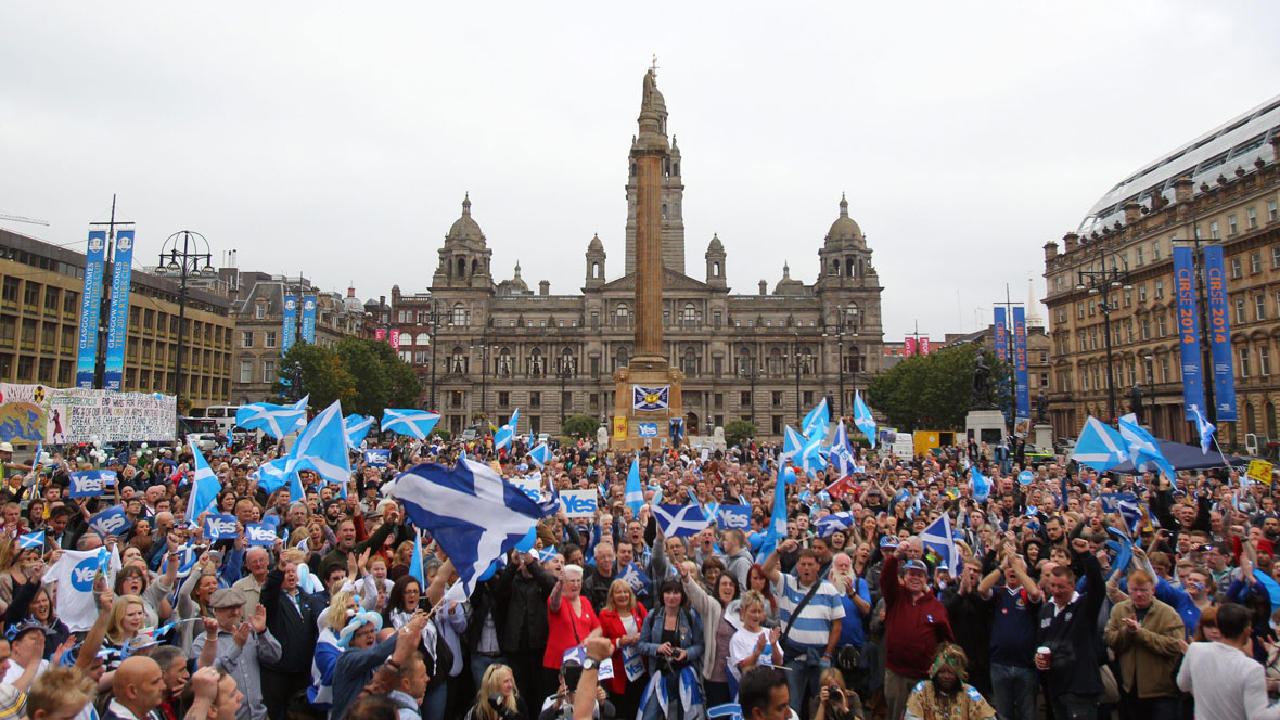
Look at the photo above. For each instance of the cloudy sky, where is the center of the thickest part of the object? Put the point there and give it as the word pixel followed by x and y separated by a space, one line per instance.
pixel 339 138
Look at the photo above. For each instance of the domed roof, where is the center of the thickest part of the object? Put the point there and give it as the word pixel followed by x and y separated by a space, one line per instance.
pixel 595 246
pixel 844 228
pixel 465 229
pixel 715 245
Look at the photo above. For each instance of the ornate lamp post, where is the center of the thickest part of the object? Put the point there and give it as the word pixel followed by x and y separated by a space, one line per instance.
pixel 181 256
pixel 1104 283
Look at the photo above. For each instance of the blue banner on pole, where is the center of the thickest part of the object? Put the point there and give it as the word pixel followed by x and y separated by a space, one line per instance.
pixel 1002 335
pixel 1022 414
pixel 118 317
pixel 289 333
pixel 90 308
pixel 1184 281
pixel 1224 384
pixel 309 320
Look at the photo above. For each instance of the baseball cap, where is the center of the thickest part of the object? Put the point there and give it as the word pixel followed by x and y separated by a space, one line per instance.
pixel 915 565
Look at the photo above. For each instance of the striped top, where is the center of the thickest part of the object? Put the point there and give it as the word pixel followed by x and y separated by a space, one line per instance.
pixel 813 627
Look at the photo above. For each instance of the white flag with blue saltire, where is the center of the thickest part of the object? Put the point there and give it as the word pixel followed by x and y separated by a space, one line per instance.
pixel 205 487
pixel 470 510
pixel 863 418
pixel 1099 446
pixel 1143 449
pixel 980 484
pixel 415 423
pixel 275 420
pixel 777 530
pixel 540 454
pixel 507 433
pixel 938 538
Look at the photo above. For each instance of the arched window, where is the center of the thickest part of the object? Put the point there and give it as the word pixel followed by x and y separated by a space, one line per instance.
pixel 689 316
pixel 620 357
pixel 715 269
pixel 458 361
pixel 595 271
pixel 536 367
pixel 462 267
pixel 504 362
pixel 776 364
pixel 1250 420
pixel 422 339
pixel 622 316
pixel 690 362
pixel 459 315
pixel 568 363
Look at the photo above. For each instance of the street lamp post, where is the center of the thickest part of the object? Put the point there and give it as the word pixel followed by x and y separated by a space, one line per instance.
pixel 435 360
pixel 796 360
pixel 563 371
pixel 1103 283
pixel 750 371
pixel 1150 361
pixel 179 255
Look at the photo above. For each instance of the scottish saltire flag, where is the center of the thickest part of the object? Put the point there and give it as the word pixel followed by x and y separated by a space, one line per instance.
pixel 275 474
pixel 471 511
pixel 540 454
pixel 777 520
pixel 833 522
pixel 275 420
pixel 546 553
pixel 636 578
pixel 1206 428
pixel 812 458
pixel 322 448
pixel 792 443
pixel 507 433
pixel 357 428
pixel 205 487
pixel 635 494
pixel 186 560
pixel 680 520
pixel 1099 446
pixel 415 562
pixel 863 419
pixel 1126 505
pixel 937 537
pixel 817 421
pixel 1143 450
pixel 980 484
pixel 416 423
pixel 650 399
pixel 31 540
pixel 841 454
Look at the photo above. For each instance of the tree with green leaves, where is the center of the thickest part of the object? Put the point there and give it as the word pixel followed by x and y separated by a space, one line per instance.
pixel 320 374
pixel 580 426
pixel 934 391
pixel 366 375
pixel 737 432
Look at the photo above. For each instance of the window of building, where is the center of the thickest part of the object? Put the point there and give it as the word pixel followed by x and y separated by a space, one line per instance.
pixel 1245 369
pixel 1260 306
pixel 1213 230
pixel 535 399
pixel 1145 328
pixel 1164 368
pixel 31 294
pixel 246 339
pixel 70 301
pixel 808 397
pixel 1251 218
pixel 566 400
pixel 776 424
pixel 455 399
pixel 1236 271
pixel 1232 226
pixel 1139 256
pixel 744 399
pixel 1264 360
pixel 1273 213
pixel 1093 308
pixel 269 371
pixel 1128 297
pixel 775 398
pixel 269 338
pixel 1161 325
pixel 1239 310
pixel 259 311
pixel 246 371
pixel 1255 262
pixel 1142 293
pixel 1155 251
pixel 1079 311
pixel 1159 289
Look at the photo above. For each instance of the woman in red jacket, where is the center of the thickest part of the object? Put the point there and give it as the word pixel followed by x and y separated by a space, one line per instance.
pixel 570 619
pixel 620 621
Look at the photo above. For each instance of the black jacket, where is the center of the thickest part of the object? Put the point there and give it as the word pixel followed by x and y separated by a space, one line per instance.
pixel 295 626
pixel 596 587
pixel 524 608
pixel 1072 636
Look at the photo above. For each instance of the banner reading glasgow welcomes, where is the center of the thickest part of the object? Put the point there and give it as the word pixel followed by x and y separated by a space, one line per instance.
pixel 1023 392
pixel 118 318
pixel 1184 281
pixel 289 333
pixel 90 308
pixel 1224 385
pixel 1002 336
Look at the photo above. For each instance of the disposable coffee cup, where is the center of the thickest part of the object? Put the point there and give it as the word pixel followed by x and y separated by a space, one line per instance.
pixel 1044 652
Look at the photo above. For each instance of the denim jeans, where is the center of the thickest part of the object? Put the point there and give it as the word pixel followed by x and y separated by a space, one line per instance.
pixel 1013 691
pixel 1070 706
pixel 801 677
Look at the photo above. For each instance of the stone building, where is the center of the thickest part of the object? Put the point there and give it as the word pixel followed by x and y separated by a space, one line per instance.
pixel 485 346
pixel 40 317
pixel 1221 189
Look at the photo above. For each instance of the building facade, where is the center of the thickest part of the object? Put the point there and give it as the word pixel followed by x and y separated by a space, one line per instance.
pixel 485 347
pixel 40 317
pixel 1220 189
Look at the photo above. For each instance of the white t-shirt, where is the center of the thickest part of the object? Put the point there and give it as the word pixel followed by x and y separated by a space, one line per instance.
pixel 743 644
pixel 74 574
pixel 15 671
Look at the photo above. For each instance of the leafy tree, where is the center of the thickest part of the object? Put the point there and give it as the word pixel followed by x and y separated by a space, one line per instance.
pixel 934 391
pixel 736 432
pixel 581 426
pixel 322 376
pixel 382 379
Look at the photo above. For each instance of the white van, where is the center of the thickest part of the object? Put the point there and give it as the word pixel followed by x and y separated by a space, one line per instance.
pixel 224 415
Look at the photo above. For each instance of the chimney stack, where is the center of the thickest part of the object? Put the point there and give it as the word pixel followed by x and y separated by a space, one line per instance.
pixel 1132 212
pixel 1182 190
pixel 544 287
pixel 764 288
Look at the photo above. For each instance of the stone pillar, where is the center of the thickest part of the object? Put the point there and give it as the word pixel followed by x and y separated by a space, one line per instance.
pixel 649 249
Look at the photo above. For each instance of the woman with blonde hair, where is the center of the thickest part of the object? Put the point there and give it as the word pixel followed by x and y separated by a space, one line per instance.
pixel 497 698
pixel 342 608
pixel 835 701
pixel 128 615
pixel 620 621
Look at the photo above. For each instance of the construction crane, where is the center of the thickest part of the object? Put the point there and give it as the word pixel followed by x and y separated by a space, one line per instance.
pixel 19 218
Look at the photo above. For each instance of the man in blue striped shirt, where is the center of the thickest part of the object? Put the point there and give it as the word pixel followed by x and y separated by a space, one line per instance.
pixel 813 635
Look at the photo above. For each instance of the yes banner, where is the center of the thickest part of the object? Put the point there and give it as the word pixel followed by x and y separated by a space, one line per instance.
pixel 1022 414
pixel 220 527
pixel 260 534
pixel 90 483
pixel 1002 335
pixel 309 320
pixel 733 517
pixel 378 457
pixel 111 521
pixel 289 333
pixel 1224 385
pixel 1184 282
pixel 118 317
pixel 90 308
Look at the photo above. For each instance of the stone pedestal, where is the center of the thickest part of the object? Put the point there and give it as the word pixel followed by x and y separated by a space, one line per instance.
pixel 1044 437
pixel 636 429
pixel 985 426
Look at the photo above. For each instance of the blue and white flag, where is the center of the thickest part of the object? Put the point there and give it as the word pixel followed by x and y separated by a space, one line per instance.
pixel 205 487
pixel 733 517
pixel 1143 450
pixel 812 458
pixel 322 448
pixel 260 534
pixel 1125 504
pixel 507 433
pixel 111 521
pixel 650 399
pixel 680 520
pixel 818 421
pixel 377 457
pixel 275 474
pixel 635 495
pixel 863 419
pixel 1099 446
pixel 828 524
pixel 636 578
pixel 416 423
pixel 777 529
pixel 841 454
pixel 274 420
pixel 220 527
pixel 792 444
pixel 938 538
pixel 980 484
pixel 90 483
pixel 357 429
pixel 1206 429
pixel 187 558
pixel 31 540
pixel 471 511
pixel 415 562
pixel 540 454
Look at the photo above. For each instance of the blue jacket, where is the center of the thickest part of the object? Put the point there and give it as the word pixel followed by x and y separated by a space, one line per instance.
pixel 688 634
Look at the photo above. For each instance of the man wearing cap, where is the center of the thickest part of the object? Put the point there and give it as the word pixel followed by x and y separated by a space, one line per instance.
pixel 238 646
pixel 915 622
pixel 26 647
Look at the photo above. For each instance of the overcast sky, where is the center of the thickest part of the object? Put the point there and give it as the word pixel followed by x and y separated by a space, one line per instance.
pixel 339 138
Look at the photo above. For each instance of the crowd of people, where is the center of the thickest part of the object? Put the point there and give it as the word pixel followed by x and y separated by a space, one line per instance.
pixel 1047 599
